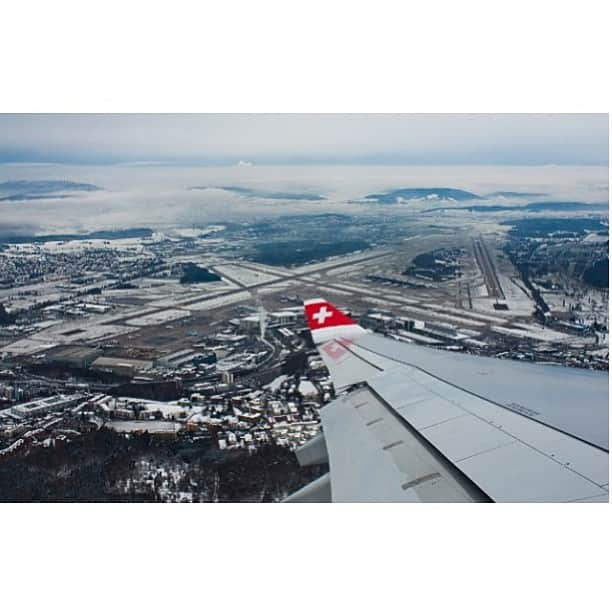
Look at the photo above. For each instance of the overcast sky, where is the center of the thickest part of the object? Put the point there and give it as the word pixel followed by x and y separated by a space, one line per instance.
pixel 286 139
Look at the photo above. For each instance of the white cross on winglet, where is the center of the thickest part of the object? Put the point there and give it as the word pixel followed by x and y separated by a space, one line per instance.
pixel 322 315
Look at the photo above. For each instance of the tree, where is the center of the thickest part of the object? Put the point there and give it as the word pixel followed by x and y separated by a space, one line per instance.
pixel 5 317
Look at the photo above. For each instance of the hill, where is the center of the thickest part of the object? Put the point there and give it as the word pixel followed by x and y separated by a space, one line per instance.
pixel 33 190
pixel 423 193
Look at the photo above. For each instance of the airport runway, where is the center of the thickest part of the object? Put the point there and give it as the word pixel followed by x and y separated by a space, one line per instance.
pixel 487 267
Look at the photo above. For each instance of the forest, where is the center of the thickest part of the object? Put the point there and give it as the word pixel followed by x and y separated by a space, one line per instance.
pixel 104 466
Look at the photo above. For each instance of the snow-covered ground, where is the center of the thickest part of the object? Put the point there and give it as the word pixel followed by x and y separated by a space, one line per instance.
pixel 335 261
pixel 595 238
pixel 125 312
pixel 27 346
pixel 335 291
pixel 534 332
pixel 405 335
pixel 92 331
pixel 356 288
pixel 218 302
pixel 517 297
pixel 86 331
pixel 426 315
pixel 479 290
pixel 168 409
pixel 150 426
pixel 71 246
pixel 157 318
pixel 466 315
pixel 277 287
pixel 275 385
pixel 272 270
pixel 244 276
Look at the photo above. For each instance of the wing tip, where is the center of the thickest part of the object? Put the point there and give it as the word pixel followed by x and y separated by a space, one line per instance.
pixel 314 301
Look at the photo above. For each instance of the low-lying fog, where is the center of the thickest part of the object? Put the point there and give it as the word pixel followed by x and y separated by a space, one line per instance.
pixel 160 196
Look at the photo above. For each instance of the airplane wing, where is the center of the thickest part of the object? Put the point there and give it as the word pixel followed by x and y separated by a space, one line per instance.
pixel 414 424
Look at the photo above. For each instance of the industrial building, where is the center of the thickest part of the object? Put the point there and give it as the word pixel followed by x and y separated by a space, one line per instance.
pixel 73 355
pixel 120 365
pixel 47 404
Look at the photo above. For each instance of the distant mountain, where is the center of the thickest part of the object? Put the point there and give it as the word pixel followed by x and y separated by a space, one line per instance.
pixel 18 197
pixel 515 194
pixel 269 195
pixel 435 194
pixel 12 191
pixel 533 207
pixel 135 232
pixel 485 208
pixel 539 227
pixel 563 206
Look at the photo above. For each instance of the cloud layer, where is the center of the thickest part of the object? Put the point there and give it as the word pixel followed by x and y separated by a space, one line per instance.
pixel 161 196
pixel 295 138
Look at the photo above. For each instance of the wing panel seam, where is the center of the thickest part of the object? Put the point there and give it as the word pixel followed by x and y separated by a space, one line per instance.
pixel 477 416
pixel 486 399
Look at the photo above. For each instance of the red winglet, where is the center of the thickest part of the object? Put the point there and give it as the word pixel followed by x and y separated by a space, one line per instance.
pixel 327 322
pixel 321 314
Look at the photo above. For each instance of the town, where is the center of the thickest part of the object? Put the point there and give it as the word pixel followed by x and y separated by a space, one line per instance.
pixel 191 336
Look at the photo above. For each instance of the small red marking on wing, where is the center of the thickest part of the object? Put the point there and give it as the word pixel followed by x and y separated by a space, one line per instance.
pixel 335 350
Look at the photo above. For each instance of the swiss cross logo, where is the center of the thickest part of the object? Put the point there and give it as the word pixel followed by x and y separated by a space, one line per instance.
pixel 322 314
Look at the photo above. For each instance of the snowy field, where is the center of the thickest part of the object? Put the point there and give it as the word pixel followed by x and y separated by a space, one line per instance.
pixel 479 290
pixel 519 303
pixel 595 238
pixel 532 332
pixel 25 302
pixel 72 246
pixel 259 267
pixel 353 288
pixel 555 299
pixel 275 385
pixel 150 426
pixel 245 276
pixel 429 311
pixel 337 261
pixel 467 315
pixel 45 289
pixel 210 289
pixel 431 314
pixel 219 302
pixel 352 268
pixel 27 346
pixel 90 331
pixel 277 288
pixel 57 335
pixel 410 336
pixel 335 291
pixel 166 408
pixel 125 312
pixel 394 295
pixel 168 294
pixel 157 318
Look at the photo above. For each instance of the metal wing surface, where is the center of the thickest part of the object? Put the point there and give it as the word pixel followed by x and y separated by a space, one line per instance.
pixel 419 424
